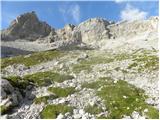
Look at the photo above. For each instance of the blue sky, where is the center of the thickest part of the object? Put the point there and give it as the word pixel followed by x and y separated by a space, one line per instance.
pixel 57 14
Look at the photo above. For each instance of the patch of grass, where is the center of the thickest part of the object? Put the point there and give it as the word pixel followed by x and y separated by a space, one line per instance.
pixel 145 62
pixel 18 82
pixel 117 105
pixel 31 60
pixel 62 92
pixel 46 78
pixel 99 59
pixel 38 79
pixel 93 109
pixel 121 56
pixel 80 67
pixel 97 84
pixel 122 98
pixel 152 113
pixel 52 111
pixel 87 64
pixel 4 109
pixel 44 99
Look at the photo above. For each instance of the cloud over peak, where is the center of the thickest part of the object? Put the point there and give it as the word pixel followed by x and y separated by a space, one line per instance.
pixel 71 12
pixel 75 12
pixel 131 13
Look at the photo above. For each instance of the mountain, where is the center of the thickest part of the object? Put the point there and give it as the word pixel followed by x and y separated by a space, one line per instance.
pixel 95 32
pixel 97 69
pixel 26 26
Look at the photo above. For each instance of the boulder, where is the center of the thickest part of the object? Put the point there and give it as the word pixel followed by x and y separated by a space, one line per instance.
pixel 10 96
pixel 6 86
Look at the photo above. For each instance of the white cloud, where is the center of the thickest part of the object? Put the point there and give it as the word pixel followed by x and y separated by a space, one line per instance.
pixel 71 11
pixel 119 1
pixel 75 12
pixel 131 13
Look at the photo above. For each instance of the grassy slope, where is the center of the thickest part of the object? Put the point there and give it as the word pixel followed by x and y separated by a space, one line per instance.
pixel 121 98
pixel 32 59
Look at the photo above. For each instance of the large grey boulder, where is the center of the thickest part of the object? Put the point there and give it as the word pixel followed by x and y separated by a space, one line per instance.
pixel 10 96
pixel 26 26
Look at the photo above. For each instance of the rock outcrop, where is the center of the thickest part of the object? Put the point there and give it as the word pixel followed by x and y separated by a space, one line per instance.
pixel 94 30
pixel 67 37
pixel 26 26
pixel 68 33
pixel 131 29
pixel 10 96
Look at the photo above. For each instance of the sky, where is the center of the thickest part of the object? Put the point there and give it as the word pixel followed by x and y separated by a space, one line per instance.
pixel 57 14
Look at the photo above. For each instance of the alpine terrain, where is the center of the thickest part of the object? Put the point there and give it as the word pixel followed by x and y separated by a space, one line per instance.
pixel 97 69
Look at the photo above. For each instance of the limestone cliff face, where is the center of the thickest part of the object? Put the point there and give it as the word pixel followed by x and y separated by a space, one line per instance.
pixel 94 29
pixel 125 28
pixel 26 26
pixel 96 32
pixel 68 33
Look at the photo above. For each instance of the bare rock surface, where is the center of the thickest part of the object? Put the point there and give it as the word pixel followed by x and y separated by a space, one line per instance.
pixel 10 96
pixel 96 32
pixel 26 26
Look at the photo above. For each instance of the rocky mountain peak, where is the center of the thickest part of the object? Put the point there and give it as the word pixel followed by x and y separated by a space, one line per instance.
pixel 26 26
pixel 95 21
pixel 25 17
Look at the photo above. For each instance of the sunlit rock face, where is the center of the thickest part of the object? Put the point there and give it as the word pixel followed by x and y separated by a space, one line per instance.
pixel 132 28
pixel 26 26
pixel 94 30
pixel 68 33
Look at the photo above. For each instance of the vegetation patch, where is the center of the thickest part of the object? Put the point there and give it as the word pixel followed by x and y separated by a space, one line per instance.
pixel 32 59
pixel 97 84
pixel 44 99
pixel 145 62
pixel 93 109
pixel 38 79
pixel 152 113
pixel 46 78
pixel 62 92
pixel 80 67
pixel 122 56
pixel 122 98
pixel 18 82
pixel 4 109
pixel 87 64
pixel 52 111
